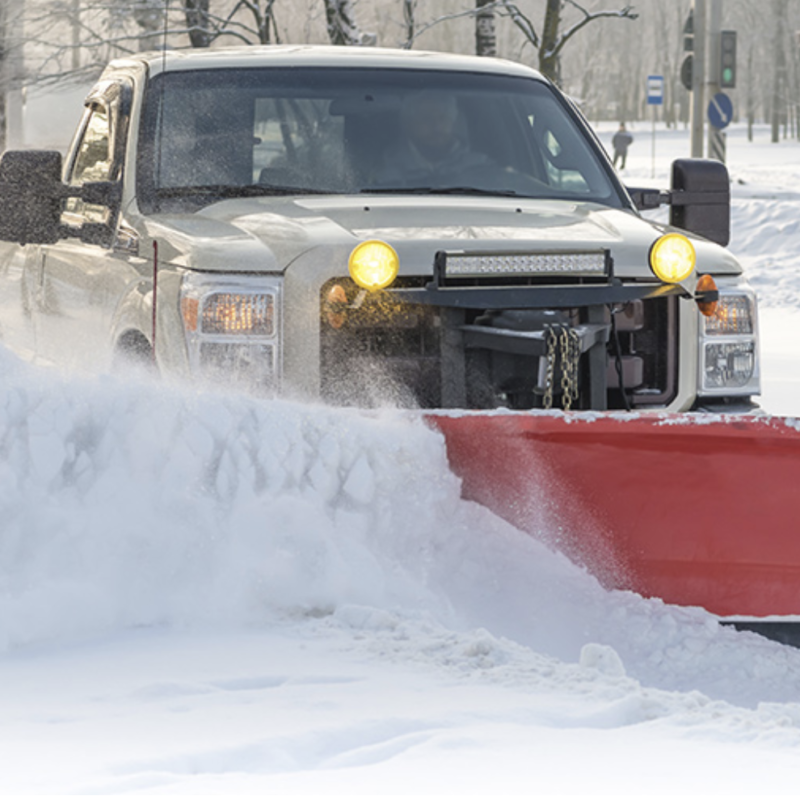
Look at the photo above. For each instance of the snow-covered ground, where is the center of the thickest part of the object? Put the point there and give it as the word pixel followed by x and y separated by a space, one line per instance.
pixel 206 593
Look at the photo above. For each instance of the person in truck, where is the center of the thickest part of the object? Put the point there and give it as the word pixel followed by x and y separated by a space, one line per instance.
pixel 433 147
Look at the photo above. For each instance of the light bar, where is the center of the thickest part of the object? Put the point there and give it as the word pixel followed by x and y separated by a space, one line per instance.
pixel 468 265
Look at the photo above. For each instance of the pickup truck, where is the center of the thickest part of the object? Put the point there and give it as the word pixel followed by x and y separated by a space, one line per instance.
pixel 364 226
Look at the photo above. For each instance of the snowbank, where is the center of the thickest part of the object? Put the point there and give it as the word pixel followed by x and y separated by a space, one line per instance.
pixel 129 505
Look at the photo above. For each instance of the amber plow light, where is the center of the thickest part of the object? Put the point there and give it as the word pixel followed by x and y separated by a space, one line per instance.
pixel 373 265
pixel 672 258
pixel 707 295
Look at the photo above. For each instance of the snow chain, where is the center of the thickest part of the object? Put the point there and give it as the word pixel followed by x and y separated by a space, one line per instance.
pixel 564 346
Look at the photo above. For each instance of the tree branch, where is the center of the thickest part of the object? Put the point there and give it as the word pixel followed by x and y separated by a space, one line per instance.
pixel 589 16
pixel 522 22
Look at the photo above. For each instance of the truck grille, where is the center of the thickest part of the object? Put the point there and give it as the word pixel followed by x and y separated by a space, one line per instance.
pixel 377 351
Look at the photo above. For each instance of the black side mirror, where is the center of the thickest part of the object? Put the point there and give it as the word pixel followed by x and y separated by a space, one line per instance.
pixel 647 199
pixel 701 198
pixel 30 196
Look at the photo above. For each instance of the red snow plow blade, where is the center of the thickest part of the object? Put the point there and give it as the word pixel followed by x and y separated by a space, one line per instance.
pixel 695 509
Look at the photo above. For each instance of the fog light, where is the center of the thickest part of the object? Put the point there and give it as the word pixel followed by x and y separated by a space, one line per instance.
pixel 672 258
pixel 373 265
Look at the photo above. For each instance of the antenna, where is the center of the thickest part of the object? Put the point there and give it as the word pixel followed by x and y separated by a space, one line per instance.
pixel 157 176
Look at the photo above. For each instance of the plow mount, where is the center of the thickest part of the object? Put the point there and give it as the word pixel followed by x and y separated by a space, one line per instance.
pixel 695 509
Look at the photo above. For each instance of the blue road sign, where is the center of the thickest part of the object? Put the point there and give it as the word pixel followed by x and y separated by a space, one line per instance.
pixel 655 90
pixel 720 110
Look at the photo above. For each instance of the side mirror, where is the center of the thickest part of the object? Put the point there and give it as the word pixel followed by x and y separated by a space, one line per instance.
pixel 647 199
pixel 30 196
pixel 701 198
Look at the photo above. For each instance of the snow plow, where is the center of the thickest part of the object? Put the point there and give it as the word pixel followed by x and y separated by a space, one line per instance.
pixel 699 510
pixel 363 227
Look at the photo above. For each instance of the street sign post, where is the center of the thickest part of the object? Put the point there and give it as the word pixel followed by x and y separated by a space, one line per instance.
pixel 655 97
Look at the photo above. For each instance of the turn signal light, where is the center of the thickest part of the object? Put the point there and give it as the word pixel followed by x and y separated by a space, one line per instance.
pixel 374 265
pixel 189 308
pixel 672 258
pixel 706 284
pixel 335 304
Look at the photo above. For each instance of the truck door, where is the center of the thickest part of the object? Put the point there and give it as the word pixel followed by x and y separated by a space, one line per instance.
pixel 84 277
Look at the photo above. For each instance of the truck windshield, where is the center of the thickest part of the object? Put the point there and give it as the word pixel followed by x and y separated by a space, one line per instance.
pixel 212 134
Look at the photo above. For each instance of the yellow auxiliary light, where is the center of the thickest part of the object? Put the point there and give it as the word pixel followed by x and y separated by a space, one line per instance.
pixel 373 265
pixel 672 258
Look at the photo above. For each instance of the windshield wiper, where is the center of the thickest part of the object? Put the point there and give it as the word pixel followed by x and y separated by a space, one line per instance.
pixel 465 190
pixel 225 191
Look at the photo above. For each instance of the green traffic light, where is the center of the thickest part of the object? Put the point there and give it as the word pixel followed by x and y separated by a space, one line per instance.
pixel 727 74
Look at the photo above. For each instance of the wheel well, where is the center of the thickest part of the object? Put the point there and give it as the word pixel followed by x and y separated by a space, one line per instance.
pixel 133 347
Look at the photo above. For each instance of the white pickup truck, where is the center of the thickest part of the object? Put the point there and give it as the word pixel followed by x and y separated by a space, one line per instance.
pixel 365 226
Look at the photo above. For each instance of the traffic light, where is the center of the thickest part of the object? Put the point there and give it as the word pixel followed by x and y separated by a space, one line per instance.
pixel 727 60
pixel 688 33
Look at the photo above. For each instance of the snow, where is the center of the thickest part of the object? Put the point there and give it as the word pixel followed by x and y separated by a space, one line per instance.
pixel 206 593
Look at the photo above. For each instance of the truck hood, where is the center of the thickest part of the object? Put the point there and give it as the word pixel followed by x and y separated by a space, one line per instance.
pixel 269 234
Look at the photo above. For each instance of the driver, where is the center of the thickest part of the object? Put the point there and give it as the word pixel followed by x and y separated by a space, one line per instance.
pixel 432 147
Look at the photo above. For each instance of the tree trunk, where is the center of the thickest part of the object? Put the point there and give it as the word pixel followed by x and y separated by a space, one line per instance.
pixel 485 36
pixel 3 76
pixel 409 22
pixel 779 77
pixel 342 27
pixel 149 14
pixel 548 59
pixel 197 22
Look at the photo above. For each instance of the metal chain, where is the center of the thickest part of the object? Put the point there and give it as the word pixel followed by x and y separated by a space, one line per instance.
pixel 570 355
pixel 564 348
pixel 551 338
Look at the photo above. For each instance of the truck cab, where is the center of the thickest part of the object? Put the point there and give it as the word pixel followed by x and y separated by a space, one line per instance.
pixel 364 226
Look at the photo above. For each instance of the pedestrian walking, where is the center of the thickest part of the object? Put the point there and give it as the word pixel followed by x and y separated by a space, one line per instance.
pixel 621 141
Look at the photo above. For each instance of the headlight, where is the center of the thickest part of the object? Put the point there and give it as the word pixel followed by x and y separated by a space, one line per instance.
pixel 672 258
pixel 373 265
pixel 233 328
pixel 728 362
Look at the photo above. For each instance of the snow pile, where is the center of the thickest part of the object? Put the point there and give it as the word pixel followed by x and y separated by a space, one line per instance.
pixel 129 505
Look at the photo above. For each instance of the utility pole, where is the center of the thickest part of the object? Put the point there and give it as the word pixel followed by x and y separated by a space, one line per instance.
pixel 698 77
pixel 716 138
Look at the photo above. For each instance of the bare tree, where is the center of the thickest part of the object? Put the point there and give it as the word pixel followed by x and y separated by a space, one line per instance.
pixel 3 76
pixel 779 79
pixel 554 38
pixel 485 36
pixel 149 15
pixel 409 21
pixel 198 22
pixel 342 26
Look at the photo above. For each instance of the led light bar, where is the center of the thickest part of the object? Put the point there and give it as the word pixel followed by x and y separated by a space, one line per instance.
pixel 474 265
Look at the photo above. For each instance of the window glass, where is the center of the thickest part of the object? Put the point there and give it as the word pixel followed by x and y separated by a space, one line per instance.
pixel 223 133
pixel 93 162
